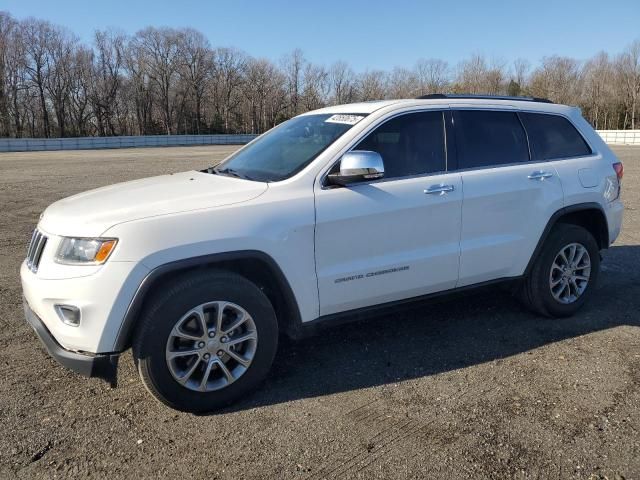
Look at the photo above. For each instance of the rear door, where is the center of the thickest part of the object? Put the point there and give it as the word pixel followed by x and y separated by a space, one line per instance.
pixel 508 197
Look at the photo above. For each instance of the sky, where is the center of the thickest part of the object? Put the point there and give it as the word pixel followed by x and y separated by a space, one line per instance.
pixel 369 34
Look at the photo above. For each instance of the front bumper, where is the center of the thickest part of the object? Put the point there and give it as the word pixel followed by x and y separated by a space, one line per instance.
pixel 104 366
pixel 102 297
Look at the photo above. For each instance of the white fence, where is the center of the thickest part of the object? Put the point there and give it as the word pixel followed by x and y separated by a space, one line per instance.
pixel 89 143
pixel 620 137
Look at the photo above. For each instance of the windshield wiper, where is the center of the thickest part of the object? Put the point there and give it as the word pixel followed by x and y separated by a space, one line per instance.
pixel 231 172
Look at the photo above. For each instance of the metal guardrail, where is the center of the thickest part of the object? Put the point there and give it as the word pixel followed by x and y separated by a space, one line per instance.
pixel 90 143
pixel 614 137
pixel 620 137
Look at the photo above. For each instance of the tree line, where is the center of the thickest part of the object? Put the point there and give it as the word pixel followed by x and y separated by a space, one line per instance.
pixel 173 81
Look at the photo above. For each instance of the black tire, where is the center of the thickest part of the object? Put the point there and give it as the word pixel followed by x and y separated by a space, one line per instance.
pixel 166 308
pixel 536 290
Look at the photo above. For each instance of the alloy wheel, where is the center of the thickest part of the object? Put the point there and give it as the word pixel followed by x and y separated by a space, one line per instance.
pixel 570 273
pixel 211 346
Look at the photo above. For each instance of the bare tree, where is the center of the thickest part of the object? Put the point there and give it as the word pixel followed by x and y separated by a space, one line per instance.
pixel 372 85
pixel 106 77
pixel 628 65
pixel 228 77
pixel 138 88
pixel 342 81
pixel 518 77
pixel 160 50
pixel 196 68
pixel 163 81
pixel 315 87
pixel 37 35
pixel 7 27
pixel 402 83
pixel 276 99
pixel 263 82
pixel 293 67
pixel 521 68
pixel 558 79
pixel 16 82
pixel 597 79
pixel 432 76
pixel 61 48
pixel 80 91
pixel 471 76
pixel 477 76
pixel 495 77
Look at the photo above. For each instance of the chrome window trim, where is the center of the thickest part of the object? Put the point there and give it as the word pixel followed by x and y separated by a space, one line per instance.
pixel 386 180
pixel 515 164
pixel 502 165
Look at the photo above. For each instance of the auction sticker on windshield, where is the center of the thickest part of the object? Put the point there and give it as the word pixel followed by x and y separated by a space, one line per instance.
pixel 346 119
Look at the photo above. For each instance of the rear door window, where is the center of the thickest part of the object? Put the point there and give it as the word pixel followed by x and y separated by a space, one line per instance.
pixel 553 136
pixel 486 138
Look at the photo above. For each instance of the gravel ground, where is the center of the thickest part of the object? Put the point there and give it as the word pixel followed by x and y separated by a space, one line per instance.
pixel 477 388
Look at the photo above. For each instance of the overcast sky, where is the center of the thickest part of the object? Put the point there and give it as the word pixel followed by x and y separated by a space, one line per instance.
pixel 368 34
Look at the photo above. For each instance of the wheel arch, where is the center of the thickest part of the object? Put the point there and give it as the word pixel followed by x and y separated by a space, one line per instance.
pixel 589 215
pixel 256 266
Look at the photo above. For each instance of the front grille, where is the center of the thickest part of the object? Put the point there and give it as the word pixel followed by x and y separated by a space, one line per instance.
pixel 36 247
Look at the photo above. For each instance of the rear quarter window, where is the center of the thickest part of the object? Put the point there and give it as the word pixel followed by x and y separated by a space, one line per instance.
pixel 553 136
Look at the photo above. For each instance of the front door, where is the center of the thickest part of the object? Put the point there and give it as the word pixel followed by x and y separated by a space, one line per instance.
pixel 397 237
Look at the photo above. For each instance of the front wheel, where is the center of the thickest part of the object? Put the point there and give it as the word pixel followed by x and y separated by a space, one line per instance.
pixel 564 274
pixel 206 341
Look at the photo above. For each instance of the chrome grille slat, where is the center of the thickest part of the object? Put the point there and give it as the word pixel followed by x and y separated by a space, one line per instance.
pixel 32 245
pixel 38 252
pixel 36 247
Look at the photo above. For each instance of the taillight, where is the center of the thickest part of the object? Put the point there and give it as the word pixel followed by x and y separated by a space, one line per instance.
pixel 619 168
pixel 613 192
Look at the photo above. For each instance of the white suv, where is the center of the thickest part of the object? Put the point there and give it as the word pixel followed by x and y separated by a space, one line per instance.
pixel 331 214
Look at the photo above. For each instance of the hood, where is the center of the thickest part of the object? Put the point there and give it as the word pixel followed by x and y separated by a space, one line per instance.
pixel 93 212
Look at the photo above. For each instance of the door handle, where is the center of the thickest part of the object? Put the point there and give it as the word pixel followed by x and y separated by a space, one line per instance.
pixel 439 189
pixel 540 175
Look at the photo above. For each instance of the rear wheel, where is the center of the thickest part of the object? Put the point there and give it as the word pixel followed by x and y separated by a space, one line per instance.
pixel 564 274
pixel 206 341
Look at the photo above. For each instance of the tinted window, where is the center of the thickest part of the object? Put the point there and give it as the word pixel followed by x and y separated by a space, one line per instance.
pixel 486 138
pixel 410 144
pixel 552 136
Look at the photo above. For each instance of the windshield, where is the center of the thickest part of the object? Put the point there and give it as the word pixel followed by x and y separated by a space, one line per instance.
pixel 288 148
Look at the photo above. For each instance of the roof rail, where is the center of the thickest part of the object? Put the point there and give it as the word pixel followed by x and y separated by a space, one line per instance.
pixel 435 96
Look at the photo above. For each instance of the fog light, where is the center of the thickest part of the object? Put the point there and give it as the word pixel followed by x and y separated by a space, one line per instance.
pixel 69 314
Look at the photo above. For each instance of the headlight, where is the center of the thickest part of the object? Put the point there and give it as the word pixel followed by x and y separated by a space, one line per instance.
pixel 85 251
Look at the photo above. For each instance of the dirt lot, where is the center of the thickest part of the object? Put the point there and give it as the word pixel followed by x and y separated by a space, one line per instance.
pixel 470 389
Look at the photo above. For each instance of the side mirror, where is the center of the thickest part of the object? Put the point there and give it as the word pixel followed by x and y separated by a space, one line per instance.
pixel 358 166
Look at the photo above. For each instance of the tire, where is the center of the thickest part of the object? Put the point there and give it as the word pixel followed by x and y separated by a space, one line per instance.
pixel 169 329
pixel 537 291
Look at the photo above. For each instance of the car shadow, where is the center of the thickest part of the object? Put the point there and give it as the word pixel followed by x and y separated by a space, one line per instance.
pixel 429 339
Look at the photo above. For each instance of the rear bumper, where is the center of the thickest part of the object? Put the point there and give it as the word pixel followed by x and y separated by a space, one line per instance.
pixel 104 366
pixel 614 219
